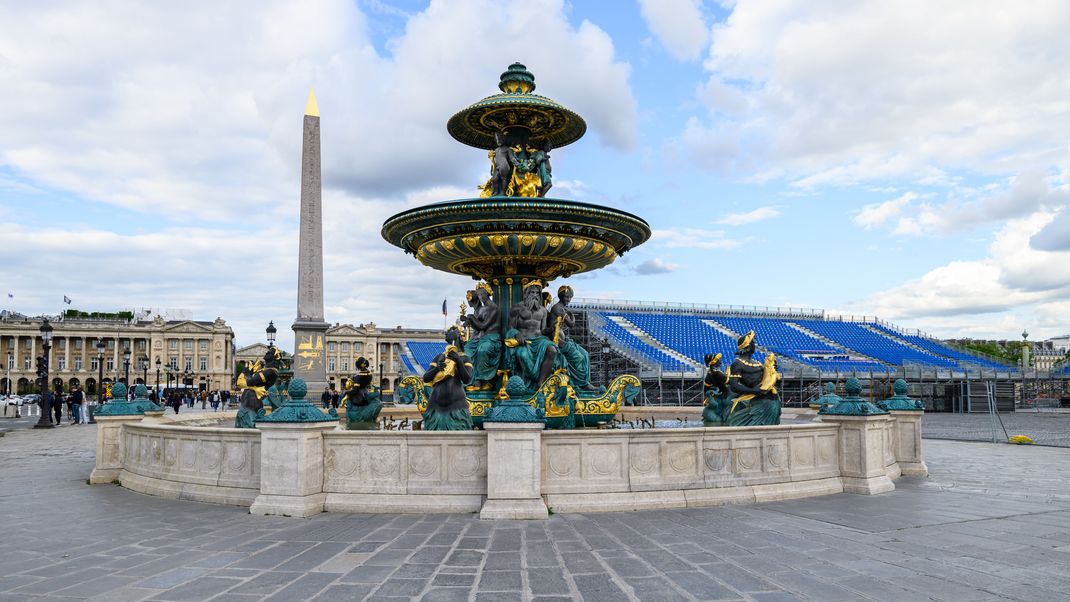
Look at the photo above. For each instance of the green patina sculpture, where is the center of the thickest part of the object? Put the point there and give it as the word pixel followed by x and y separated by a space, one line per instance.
pixel 852 404
pixel 753 384
pixel 716 393
pixel 256 382
pixel 120 406
pixel 484 345
pixel 250 410
pixel 830 398
pixel 447 408
pixel 901 401
pixel 362 404
pixel 571 355
pixel 274 398
pixel 297 408
pixel 525 367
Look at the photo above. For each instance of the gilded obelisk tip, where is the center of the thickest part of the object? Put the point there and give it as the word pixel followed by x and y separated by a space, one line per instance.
pixel 312 108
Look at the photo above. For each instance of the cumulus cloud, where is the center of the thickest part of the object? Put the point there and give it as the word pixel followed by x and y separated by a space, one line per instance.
pixel 836 94
pixel 176 109
pixel 655 266
pixel 694 238
pixel 879 213
pixel 1055 236
pixel 749 217
pixel 678 24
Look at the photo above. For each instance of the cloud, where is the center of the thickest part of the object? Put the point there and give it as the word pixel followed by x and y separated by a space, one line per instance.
pixel 835 94
pixel 170 110
pixel 879 213
pixel 757 215
pixel 1055 236
pixel 694 238
pixel 678 24
pixel 655 266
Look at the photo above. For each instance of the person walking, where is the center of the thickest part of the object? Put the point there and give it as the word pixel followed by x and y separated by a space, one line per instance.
pixel 57 407
pixel 204 400
pixel 76 405
pixel 325 399
pixel 334 399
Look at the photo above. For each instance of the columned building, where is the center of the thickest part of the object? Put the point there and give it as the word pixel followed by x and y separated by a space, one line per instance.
pixel 383 348
pixel 192 353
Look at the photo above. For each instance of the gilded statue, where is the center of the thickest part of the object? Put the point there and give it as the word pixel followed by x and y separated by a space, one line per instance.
pixel 484 345
pixel 255 381
pixel 571 355
pixel 451 370
pixel 754 386
pixel 518 170
pixel 361 402
pixel 715 391
pixel 530 355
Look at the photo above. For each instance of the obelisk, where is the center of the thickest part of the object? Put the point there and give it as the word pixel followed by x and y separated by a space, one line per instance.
pixel 309 327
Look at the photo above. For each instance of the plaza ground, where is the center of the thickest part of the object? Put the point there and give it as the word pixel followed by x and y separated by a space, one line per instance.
pixel 992 522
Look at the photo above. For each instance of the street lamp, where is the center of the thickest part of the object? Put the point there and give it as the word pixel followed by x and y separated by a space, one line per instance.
pixel 271 330
pixel 145 370
pixel 158 378
pixel 380 379
pixel 126 367
pixel 10 360
pixel 44 422
pixel 605 362
pixel 100 376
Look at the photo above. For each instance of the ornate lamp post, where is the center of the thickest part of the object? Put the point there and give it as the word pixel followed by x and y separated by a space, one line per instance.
pixel 271 330
pixel 100 375
pixel 380 378
pixel 46 337
pixel 145 370
pixel 158 362
pixel 126 366
pixel 10 360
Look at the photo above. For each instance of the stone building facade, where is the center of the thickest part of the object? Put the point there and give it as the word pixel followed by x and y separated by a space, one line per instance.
pixel 198 354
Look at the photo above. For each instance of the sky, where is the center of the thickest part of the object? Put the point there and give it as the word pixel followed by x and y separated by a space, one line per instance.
pixel 904 159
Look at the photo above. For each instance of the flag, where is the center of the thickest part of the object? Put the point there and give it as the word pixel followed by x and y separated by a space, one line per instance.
pixel 66 299
pixel 443 307
pixel 10 296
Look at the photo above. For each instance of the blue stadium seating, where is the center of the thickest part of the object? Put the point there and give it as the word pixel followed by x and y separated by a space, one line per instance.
pixel 687 334
pixel 408 365
pixel 424 352
pixel 652 355
pixel 943 350
pixel 853 335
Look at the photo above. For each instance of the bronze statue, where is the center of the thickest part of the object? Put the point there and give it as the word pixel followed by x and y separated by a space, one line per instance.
pixel 362 403
pixel 753 384
pixel 503 163
pixel 532 354
pixel 255 382
pixel 447 409
pixel 541 162
pixel 571 355
pixel 715 391
pixel 484 345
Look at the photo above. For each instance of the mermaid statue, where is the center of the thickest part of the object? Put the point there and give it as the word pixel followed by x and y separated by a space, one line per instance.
pixel 753 385
pixel 362 404
pixel 451 370
pixel 715 391
pixel 255 381
pixel 484 346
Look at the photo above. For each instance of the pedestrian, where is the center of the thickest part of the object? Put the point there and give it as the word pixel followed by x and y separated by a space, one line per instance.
pixel 325 399
pixel 334 399
pixel 176 402
pixel 214 399
pixel 204 400
pixel 76 405
pixel 70 404
pixel 57 407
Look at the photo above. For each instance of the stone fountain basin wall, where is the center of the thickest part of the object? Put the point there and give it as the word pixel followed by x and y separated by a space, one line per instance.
pixel 204 464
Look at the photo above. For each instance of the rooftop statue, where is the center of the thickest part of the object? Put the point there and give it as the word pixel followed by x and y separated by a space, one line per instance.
pixel 754 386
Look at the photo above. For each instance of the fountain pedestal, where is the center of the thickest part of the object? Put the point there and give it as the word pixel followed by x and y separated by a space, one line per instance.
pixel 514 471
pixel 291 461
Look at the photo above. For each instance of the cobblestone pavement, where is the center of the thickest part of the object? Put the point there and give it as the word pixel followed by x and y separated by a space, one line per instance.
pixel 993 522
pixel 1046 426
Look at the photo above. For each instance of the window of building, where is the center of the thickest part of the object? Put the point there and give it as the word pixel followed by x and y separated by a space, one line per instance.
pixel 189 365
pixel 26 364
pixel 345 347
pixel 189 345
pixel 331 347
pixel 78 343
pixel 61 343
pixel 111 364
pixel 204 345
pixel 29 343
pixel 204 364
pixel 111 343
pixel 330 364
pixel 174 363
pixel 345 364
pixel 62 363
pixel 358 346
pixel 78 364
pixel 10 362
pixel 141 345
pixel 93 363
pixel 174 344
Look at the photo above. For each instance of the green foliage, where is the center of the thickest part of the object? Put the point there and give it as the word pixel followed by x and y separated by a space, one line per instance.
pixel 1010 353
pixel 98 315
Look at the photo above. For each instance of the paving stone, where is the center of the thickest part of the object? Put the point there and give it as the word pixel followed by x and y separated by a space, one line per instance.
pixel 547 581
pixel 305 587
pixel 465 558
pixel 656 588
pixel 266 584
pixel 314 556
pixel 401 587
pixel 344 593
pixel 169 579
pixel 499 581
pixel 368 574
pixel 200 589
pixel 446 594
pixel 434 554
pixel 503 561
